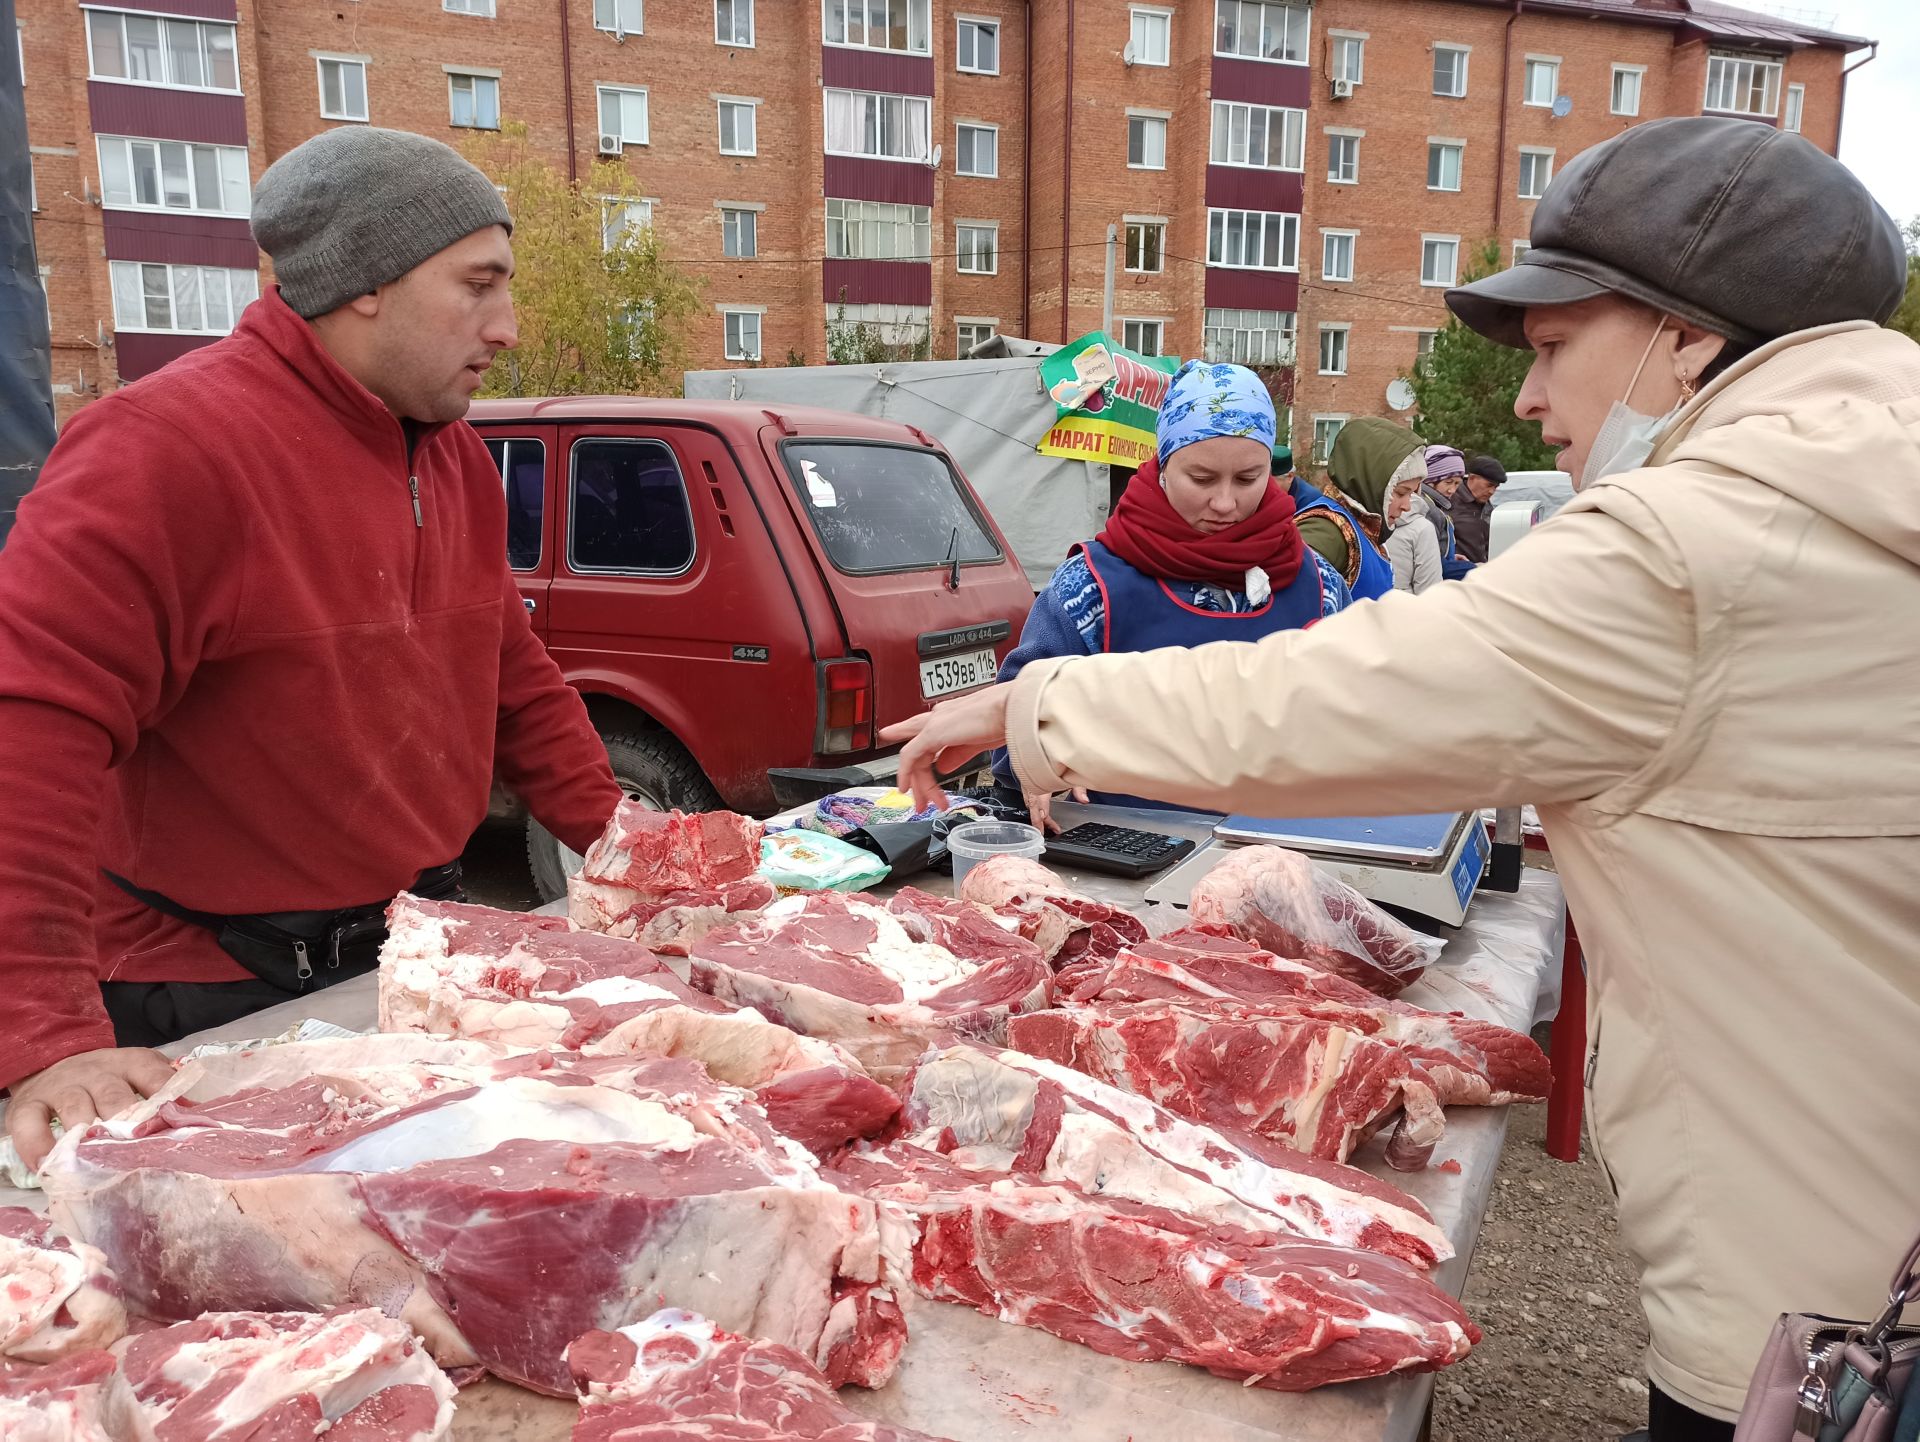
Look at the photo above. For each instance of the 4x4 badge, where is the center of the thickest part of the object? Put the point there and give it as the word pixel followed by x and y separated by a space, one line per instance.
pixel 749 653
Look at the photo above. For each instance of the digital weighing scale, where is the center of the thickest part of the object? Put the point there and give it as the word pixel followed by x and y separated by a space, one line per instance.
pixel 1429 864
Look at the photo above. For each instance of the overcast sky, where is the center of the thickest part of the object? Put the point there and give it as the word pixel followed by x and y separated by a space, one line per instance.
pixel 1881 131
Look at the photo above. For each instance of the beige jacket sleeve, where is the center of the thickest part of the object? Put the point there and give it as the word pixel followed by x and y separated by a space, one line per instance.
pixel 1547 675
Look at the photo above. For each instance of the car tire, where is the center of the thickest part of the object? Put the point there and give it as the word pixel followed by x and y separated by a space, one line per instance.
pixel 653 769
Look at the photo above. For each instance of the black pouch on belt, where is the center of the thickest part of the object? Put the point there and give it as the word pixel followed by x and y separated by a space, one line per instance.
pixel 301 951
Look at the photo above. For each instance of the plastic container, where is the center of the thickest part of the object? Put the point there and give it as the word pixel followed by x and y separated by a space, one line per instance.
pixel 980 841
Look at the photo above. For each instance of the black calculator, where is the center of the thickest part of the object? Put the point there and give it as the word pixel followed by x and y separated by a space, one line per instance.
pixel 1116 850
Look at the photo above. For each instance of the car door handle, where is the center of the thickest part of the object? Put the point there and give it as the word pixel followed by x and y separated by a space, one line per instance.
pixel 529 603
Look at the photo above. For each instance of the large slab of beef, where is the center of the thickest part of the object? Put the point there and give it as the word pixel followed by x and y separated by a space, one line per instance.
pixel 1071 930
pixel 676 1377
pixel 498 1204
pixel 997 1111
pixel 454 970
pixel 1280 900
pixel 1146 1283
pixel 666 878
pixel 881 980
pixel 57 1296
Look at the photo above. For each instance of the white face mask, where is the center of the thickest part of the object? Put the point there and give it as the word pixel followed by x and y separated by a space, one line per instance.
pixel 1626 437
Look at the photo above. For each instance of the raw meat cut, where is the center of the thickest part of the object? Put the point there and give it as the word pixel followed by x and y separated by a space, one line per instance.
pixel 666 878
pixel 263 1376
pixel 1305 1080
pixel 881 980
pixel 82 1398
pixel 56 1297
pixel 1466 1061
pixel 676 1377
pixel 1280 900
pixel 498 1204
pixel 1000 1111
pixel 1148 1284
pixel 450 969
pixel 1070 929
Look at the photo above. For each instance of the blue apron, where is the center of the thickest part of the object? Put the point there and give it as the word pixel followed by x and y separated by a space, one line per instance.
pixel 1375 576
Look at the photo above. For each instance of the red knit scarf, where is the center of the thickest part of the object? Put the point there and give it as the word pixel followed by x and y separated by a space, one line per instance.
pixel 1148 534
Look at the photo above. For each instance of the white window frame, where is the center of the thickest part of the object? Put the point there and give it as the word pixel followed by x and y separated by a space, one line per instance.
pixel 117 268
pixel 730 213
pixel 982 22
pixel 1336 330
pixel 915 220
pixel 984 127
pixel 1352 136
pixel 621 216
pixel 1442 144
pixel 964 323
pixel 1771 71
pixel 480 9
pixel 740 7
pixel 1135 15
pixel 911 106
pixel 1795 114
pixel 963 252
pixel 1263 118
pixel 1147 120
pixel 1289 226
pixel 1301 10
pixel 849 9
pixel 1639 74
pixel 1537 153
pixel 1423 344
pixel 1318 455
pixel 609 10
pixel 1465 54
pixel 1159 325
pixel 1228 334
pixel 1143 223
pixel 1534 64
pixel 728 315
pixel 224 156
pixel 321 61
pixel 474 77
pixel 1453 276
pixel 1352 238
pixel 720 104
pixel 1338 43
pixel 600 94
pixel 166 54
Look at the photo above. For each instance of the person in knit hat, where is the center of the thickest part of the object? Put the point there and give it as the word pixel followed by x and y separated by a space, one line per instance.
pixel 1446 468
pixel 260 652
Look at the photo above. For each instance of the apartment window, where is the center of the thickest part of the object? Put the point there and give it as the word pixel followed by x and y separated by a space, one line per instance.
pixel 971 333
pixel 1520 248
pixel 1796 106
pixel 172 175
pixel 1143 337
pixel 1439 259
pixel 1423 344
pixel 157 50
pixel 1336 254
pixel 622 17
pixel 887 127
pixel 1326 429
pixel 474 101
pixel 1343 158
pixel 1253 239
pixel 976 248
pixel 469 7
pixel 877 230
pixel 1151 37
pixel 976 49
pixel 880 24
pixel 1248 337
pixel 1147 142
pixel 733 22
pixel 737 129
pixel 1333 350
pixel 1543 81
pixel 1146 246
pixel 1739 85
pixel 1627 80
pixel 739 233
pixel 184 299
pixel 1443 164
pixel 623 114
pixel 343 89
pixel 743 334
pixel 1261 30
pixel 1450 70
pixel 1349 56
pixel 622 221
pixel 1536 169
pixel 976 150
pixel 1261 136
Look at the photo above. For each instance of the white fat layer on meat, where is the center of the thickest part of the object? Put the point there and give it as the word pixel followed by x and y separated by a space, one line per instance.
pixel 516 1109
pixel 413 933
pixel 918 968
pixel 613 990
pixel 34 1282
pixel 645 1376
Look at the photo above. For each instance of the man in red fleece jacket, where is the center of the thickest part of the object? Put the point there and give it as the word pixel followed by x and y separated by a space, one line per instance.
pixel 259 648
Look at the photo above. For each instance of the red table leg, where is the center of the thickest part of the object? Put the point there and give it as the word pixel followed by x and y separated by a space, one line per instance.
pixel 1568 1048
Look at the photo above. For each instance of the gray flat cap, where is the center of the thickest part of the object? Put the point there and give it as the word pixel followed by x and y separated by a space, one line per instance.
pixel 356 207
pixel 1748 231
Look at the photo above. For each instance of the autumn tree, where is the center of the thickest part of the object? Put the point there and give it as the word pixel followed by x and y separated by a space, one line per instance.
pixel 1906 319
pixel 601 306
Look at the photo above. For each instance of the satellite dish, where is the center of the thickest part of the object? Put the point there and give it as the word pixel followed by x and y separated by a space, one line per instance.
pixel 1562 106
pixel 1400 394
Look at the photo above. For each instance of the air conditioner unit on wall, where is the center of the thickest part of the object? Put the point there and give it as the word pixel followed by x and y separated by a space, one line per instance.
pixel 610 145
pixel 1343 90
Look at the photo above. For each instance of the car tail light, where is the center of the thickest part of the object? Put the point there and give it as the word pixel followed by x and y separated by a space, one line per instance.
pixel 846 706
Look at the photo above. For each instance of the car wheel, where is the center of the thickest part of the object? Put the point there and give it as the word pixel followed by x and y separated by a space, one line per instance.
pixel 654 770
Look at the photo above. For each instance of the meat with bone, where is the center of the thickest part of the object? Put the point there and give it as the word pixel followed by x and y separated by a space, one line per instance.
pixel 82 1398
pixel 450 969
pixel 498 1204
pixel 1466 1061
pixel 666 878
pixel 676 1377
pixel 1070 929
pixel 1280 900
pixel 56 1297
pixel 880 980
pixel 1149 1284
pixel 1000 1111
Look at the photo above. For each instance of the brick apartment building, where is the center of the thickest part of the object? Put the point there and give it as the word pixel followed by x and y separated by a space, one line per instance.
pixel 1271 170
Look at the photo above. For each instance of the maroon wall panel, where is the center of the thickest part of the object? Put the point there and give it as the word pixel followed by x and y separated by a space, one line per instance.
pixel 882 70
pixel 1252 289
pixel 855 177
pixel 879 282
pixel 179 239
pixel 142 355
pixel 1261 82
pixel 167 114
pixel 1244 189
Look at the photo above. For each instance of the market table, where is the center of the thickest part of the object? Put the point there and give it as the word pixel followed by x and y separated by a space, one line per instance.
pixel 974 1379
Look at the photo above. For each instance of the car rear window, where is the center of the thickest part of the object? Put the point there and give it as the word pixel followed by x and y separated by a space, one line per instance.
pixel 887 508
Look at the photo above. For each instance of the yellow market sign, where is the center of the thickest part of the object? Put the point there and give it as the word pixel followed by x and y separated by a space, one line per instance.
pixel 1107 400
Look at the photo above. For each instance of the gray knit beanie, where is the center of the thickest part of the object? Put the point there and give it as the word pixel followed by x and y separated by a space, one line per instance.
pixel 356 207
